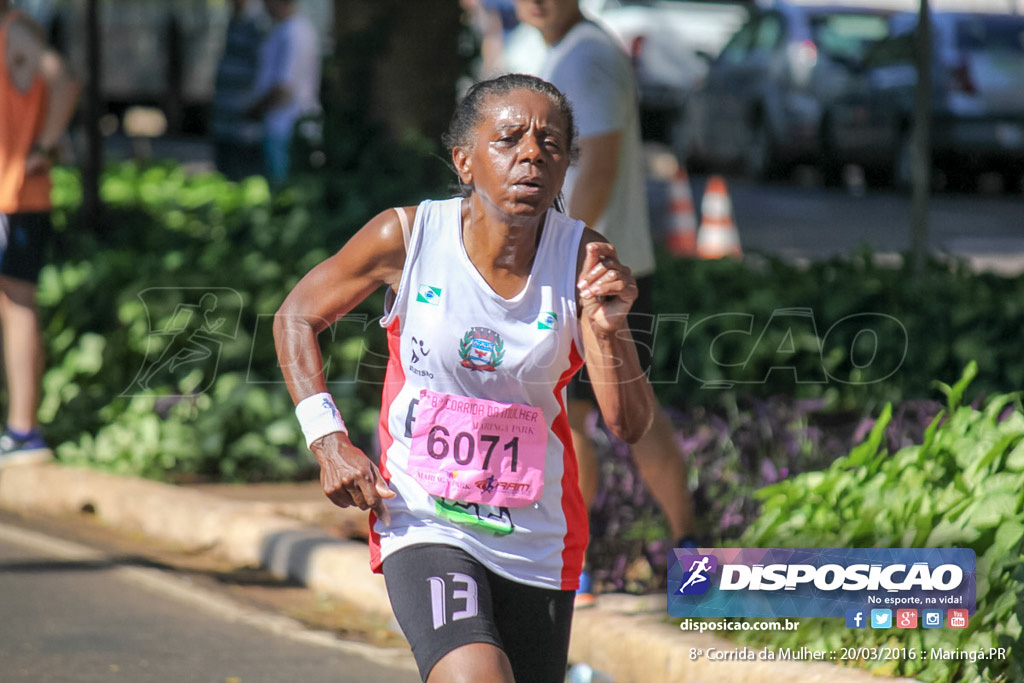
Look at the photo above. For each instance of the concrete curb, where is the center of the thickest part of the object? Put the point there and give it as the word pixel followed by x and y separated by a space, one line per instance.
pixel 625 637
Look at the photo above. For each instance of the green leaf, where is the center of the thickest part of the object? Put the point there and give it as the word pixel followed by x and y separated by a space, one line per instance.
pixel 868 450
pixel 955 394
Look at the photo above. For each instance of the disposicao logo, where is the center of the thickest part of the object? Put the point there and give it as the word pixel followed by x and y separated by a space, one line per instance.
pixel 819 582
pixel 429 295
pixel 696 580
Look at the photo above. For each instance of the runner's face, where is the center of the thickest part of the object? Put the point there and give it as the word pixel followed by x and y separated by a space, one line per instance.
pixel 520 155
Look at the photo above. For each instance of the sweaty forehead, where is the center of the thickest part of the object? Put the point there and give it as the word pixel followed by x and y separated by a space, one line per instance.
pixel 521 107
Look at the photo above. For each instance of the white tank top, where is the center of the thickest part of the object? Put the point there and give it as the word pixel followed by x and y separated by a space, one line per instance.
pixel 528 347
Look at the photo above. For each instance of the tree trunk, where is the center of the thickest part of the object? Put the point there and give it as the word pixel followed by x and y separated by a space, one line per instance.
pixel 409 84
pixel 91 208
pixel 920 150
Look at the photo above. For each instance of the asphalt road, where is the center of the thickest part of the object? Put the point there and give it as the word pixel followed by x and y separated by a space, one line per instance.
pixel 74 614
pixel 808 222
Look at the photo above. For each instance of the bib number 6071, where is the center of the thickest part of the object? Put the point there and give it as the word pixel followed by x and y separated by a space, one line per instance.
pixel 463 446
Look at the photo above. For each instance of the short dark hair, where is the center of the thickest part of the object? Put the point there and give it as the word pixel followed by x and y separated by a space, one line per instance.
pixel 467 113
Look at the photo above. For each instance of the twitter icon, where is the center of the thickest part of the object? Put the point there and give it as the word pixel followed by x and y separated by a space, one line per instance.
pixel 881 618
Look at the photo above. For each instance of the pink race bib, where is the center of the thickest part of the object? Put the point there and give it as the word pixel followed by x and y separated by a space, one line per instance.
pixel 478 451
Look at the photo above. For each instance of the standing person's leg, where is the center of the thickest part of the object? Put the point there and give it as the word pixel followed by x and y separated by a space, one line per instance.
pixel 23 352
pixel 276 151
pixel 659 461
pixel 662 466
pixel 25 237
pixel 586 457
pixel 579 404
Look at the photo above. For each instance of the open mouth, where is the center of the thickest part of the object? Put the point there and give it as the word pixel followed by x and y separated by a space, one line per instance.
pixel 529 184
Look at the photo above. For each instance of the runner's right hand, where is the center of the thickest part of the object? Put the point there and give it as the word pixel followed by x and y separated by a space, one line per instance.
pixel 349 478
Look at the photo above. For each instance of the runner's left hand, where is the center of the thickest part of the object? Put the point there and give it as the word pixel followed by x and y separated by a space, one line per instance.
pixel 607 288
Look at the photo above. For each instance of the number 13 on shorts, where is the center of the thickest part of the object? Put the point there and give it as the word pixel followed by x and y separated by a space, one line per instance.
pixel 464 603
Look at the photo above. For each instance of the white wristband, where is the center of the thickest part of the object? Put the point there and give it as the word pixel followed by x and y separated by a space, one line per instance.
pixel 319 417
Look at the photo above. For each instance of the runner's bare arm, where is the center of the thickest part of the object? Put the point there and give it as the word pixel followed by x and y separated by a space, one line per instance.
pixel 606 291
pixel 372 258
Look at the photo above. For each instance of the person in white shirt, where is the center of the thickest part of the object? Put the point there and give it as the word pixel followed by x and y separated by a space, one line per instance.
pixel 287 83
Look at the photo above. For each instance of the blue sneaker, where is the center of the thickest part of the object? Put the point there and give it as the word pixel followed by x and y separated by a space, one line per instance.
pixel 688 542
pixel 584 594
pixel 23 449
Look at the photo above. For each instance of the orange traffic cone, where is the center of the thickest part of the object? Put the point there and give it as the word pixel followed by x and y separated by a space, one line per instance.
pixel 717 236
pixel 682 221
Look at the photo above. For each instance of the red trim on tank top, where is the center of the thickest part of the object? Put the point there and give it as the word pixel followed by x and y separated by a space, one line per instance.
pixel 394 380
pixel 575 512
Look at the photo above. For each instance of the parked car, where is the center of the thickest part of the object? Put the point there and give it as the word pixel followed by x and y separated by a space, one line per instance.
pixel 977 101
pixel 665 39
pixel 761 104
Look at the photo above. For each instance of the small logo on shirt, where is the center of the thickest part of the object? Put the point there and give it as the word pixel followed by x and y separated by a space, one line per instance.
pixel 547 321
pixel 419 351
pixel 481 348
pixel 429 295
pixel 420 346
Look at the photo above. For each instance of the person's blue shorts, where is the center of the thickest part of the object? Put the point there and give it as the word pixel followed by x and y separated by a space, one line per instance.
pixel 24 240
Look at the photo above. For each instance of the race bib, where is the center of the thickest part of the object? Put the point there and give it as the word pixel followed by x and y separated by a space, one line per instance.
pixel 478 451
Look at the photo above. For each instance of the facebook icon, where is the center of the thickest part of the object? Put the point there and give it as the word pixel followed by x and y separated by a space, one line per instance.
pixel 855 618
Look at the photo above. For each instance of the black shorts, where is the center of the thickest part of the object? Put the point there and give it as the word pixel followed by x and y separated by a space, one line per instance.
pixel 641 325
pixel 443 599
pixel 24 239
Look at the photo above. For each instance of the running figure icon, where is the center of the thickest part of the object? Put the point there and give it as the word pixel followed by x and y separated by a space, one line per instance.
pixel 697 570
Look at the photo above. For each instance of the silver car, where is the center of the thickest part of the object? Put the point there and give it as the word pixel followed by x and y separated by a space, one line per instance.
pixel 761 104
pixel 977 102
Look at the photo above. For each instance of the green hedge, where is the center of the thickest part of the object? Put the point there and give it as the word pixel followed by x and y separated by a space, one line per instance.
pixel 848 330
